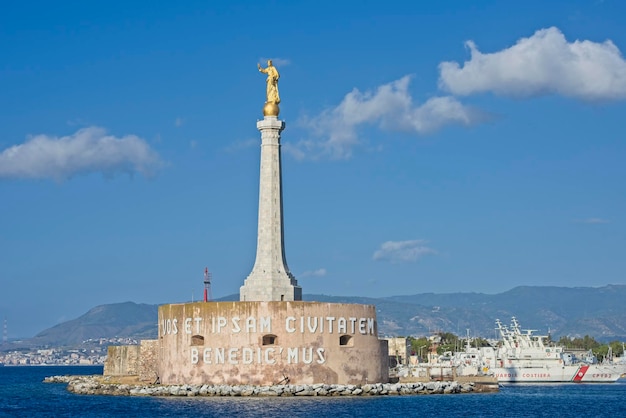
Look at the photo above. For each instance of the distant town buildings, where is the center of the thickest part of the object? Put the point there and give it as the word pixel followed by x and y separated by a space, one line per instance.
pixel 90 352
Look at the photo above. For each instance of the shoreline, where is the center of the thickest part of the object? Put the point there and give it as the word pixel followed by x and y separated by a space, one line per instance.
pixel 101 385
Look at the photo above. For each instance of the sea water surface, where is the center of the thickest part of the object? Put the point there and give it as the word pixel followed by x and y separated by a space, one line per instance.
pixel 22 393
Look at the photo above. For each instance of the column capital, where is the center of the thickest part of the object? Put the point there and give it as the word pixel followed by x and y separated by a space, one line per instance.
pixel 270 122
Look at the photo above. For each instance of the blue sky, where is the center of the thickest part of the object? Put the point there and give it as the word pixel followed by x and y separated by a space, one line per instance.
pixel 430 147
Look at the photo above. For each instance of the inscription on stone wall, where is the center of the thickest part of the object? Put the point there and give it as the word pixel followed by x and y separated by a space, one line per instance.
pixel 258 355
pixel 266 355
pixel 264 324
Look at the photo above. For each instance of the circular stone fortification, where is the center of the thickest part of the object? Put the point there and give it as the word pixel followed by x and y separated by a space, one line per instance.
pixel 265 343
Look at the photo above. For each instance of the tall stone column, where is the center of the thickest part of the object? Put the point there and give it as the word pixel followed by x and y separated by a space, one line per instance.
pixel 270 279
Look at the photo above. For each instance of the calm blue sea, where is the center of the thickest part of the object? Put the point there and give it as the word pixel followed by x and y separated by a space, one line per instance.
pixel 22 393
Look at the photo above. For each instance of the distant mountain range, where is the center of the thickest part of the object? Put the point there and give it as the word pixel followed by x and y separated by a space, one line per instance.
pixel 572 311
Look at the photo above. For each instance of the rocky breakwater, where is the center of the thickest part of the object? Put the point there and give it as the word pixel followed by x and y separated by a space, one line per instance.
pixel 99 385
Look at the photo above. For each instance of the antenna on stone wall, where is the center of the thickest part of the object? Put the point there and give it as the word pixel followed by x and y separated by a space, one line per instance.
pixel 207 285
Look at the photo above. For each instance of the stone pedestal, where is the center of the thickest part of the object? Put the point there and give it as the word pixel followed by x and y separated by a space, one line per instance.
pixel 270 279
pixel 268 343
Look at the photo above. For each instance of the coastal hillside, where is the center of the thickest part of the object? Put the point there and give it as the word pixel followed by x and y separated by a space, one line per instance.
pixel 126 319
pixel 598 312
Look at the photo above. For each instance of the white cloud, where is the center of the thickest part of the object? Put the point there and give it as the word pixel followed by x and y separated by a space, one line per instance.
pixel 295 150
pixel 403 251
pixel 593 221
pixel 86 151
pixel 544 63
pixel 314 273
pixel 178 122
pixel 391 107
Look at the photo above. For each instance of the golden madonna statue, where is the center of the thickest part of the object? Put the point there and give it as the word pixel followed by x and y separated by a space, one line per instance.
pixel 272 97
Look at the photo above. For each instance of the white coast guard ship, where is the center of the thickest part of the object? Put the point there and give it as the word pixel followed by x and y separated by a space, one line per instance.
pixel 522 357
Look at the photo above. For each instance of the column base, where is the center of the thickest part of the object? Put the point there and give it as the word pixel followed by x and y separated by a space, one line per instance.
pixel 264 291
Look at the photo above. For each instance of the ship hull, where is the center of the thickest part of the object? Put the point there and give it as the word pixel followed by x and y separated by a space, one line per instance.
pixel 558 374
